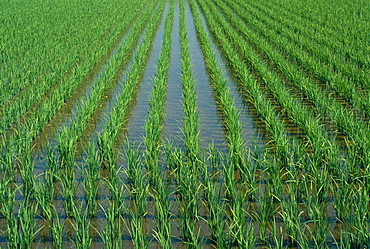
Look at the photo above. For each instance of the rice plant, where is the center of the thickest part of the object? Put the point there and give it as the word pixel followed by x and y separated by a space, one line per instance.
pixel 68 179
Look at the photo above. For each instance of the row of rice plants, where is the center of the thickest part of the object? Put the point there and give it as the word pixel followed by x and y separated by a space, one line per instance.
pixel 251 134
pixel 262 105
pixel 152 139
pixel 317 137
pixel 154 122
pixel 47 107
pixel 207 107
pixel 190 129
pixel 36 40
pixel 224 200
pixel 44 88
pixel 172 121
pixel 321 35
pixel 317 182
pixel 137 180
pixel 185 166
pixel 345 32
pixel 108 135
pixel 194 179
pixel 230 113
pixel 326 106
pixel 68 136
pixel 333 76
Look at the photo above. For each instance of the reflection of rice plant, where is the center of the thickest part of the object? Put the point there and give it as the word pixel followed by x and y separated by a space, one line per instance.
pixel 308 74
pixel 230 113
pixel 109 134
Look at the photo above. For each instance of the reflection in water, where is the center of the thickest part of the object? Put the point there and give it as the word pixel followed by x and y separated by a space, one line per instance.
pixel 210 125
pixel 250 131
pixel 135 127
pixel 210 129
pixel 173 112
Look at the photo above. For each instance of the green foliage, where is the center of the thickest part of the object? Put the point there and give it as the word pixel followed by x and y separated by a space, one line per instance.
pixel 302 66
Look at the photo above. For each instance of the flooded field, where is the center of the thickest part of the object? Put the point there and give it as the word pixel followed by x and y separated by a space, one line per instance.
pixel 184 124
